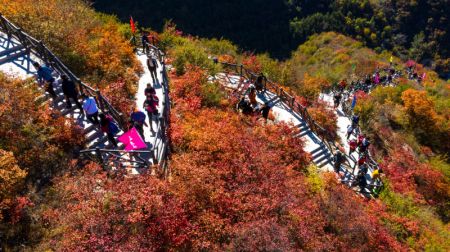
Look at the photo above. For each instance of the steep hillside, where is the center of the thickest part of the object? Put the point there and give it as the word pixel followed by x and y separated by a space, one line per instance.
pixel 237 182
pixel 410 29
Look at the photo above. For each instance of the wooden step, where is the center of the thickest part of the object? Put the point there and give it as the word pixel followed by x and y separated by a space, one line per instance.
pixel 322 158
pixel 11 50
pixel 12 57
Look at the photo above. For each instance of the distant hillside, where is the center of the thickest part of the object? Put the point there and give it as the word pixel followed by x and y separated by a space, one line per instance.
pixel 253 25
pixel 411 29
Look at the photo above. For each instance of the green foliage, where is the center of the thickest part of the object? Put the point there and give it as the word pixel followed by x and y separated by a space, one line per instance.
pixel 192 55
pixel 218 47
pixel 212 94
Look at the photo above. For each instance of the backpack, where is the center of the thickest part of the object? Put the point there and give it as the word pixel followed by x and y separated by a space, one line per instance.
pixel 113 128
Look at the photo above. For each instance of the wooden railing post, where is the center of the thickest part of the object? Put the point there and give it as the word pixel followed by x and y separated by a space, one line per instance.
pixel 99 157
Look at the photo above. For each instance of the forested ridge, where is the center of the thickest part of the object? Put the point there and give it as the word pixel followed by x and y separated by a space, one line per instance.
pixel 411 29
pixel 237 183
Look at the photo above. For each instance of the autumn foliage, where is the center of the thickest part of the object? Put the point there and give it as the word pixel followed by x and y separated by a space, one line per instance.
pixel 92 45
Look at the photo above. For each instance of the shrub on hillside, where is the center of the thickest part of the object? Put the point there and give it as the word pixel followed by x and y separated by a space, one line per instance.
pixel 91 45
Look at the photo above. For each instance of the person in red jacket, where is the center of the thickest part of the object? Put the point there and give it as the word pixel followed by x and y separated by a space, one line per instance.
pixel 353 144
pixel 151 106
pixel 108 126
pixel 362 160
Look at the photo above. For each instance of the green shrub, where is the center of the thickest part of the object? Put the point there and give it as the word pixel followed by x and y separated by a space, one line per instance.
pixel 190 53
pixel 212 94
pixel 219 47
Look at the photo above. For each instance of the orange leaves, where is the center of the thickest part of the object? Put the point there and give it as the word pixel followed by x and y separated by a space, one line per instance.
pixel 252 63
pixel 311 86
pixel 326 118
pixel 417 103
pixel 11 178
pixel 423 120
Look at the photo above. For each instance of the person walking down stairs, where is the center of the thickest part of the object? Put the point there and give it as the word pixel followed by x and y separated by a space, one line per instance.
pixel 70 91
pixel 150 105
pixel 152 65
pixel 91 109
pixel 44 76
pixel 108 126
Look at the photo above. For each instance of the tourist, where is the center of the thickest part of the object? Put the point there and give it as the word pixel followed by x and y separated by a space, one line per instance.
pixel 108 126
pixel 44 74
pixel 150 105
pixel 152 65
pixel 70 91
pixel 91 109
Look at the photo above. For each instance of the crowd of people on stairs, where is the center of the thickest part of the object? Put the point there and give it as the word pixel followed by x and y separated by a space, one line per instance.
pixel 248 103
pixel 88 106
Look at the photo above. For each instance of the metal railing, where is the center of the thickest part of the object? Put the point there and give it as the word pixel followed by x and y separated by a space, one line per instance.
pixel 161 145
pixel 161 149
pixel 40 50
pixel 295 106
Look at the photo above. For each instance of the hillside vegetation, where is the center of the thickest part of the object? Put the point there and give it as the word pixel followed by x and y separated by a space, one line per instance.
pixel 410 29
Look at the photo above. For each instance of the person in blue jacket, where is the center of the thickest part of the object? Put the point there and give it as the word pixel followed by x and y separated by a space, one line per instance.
pixel 44 74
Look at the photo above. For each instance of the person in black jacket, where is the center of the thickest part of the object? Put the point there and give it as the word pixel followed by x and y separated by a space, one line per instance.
pixel 339 159
pixel 70 91
pixel 145 41
pixel 152 65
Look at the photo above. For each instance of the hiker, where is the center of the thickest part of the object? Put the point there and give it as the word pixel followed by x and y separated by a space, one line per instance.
pixel 91 109
pixel 137 119
pixel 152 65
pixel 364 145
pixel 360 139
pixel 259 83
pixel 252 97
pixel 149 90
pixel 342 85
pixel 361 179
pixel 150 105
pixel 368 81
pixel 376 78
pixel 376 173
pixel 44 74
pixel 108 126
pixel 349 131
pixel 244 106
pixel 355 121
pixel 338 160
pixel 70 91
pixel 265 111
pixel 337 99
pixel 362 160
pixel 352 146
pixel 145 41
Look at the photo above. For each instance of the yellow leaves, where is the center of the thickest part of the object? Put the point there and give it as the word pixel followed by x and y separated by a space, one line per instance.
pixel 418 104
pixel 11 176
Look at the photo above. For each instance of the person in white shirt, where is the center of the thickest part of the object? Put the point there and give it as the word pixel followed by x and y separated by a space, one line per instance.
pixel 91 109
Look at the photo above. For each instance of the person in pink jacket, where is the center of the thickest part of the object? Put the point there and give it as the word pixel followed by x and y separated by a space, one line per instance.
pixel 151 104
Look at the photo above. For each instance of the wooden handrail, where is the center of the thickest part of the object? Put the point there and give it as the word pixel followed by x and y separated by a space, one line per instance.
pixel 298 108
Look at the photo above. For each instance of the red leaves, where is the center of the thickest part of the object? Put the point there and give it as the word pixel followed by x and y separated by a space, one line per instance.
pixel 252 63
pixel 187 90
pixel 130 214
pixel 16 212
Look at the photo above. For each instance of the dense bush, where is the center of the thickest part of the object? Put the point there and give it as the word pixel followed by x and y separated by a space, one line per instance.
pixel 35 146
pixel 93 46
